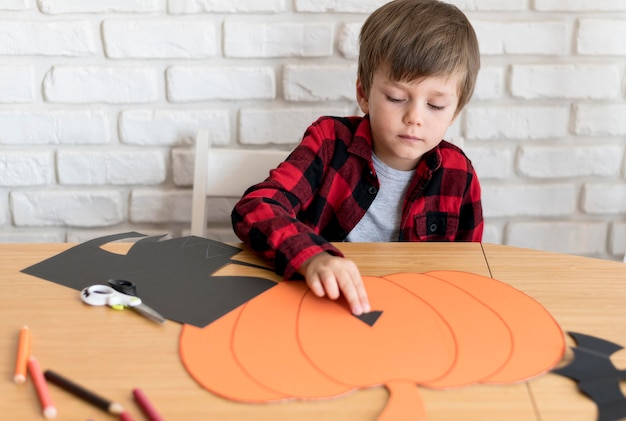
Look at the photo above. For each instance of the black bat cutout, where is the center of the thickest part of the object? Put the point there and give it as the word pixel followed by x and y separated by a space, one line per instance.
pixel 174 276
pixel 596 375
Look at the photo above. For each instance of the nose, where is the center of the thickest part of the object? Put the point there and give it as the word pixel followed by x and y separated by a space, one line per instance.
pixel 413 116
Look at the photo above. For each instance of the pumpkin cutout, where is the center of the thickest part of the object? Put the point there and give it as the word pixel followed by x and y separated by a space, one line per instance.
pixel 440 329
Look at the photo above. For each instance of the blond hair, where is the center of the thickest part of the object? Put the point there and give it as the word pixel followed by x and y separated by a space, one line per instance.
pixel 413 39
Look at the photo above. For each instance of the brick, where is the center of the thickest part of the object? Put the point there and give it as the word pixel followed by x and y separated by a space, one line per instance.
pixel 61 38
pixel 600 119
pixel 168 127
pixel 348 6
pixel 183 166
pixel 492 234
pixel 279 126
pixel 528 37
pixel 580 5
pixel 348 39
pixel 617 243
pixel 319 83
pixel 111 167
pixel 581 238
pixel 113 85
pixel 4 210
pixel 516 122
pixel 22 168
pixel 188 84
pixel 277 39
pixel 160 206
pixel 31 236
pixel 17 84
pixel 82 235
pixel 159 39
pixel 574 81
pixel 231 6
pixel 604 198
pixel 601 37
pixel 14 5
pixel 44 208
pixel 569 161
pixel 490 83
pixel 54 127
pixel 490 5
pixel 491 163
pixel 101 6
pixel 529 200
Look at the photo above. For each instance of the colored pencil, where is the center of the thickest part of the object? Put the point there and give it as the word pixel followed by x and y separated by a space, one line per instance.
pixel 145 405
pixel 125 416
pixel 23 352
pixel 81 392
pixel 49 411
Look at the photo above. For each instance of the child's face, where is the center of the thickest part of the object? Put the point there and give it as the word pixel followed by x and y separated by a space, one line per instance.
pixel 408 119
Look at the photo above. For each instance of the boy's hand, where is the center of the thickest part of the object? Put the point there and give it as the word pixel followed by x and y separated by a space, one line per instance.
pixel 331 275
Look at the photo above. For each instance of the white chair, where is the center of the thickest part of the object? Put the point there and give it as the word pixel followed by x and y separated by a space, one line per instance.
pixel 225 172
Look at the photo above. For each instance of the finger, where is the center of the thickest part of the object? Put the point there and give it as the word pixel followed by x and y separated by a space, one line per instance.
pixel 350 294
pixel 315 285
pixel 359 287
pixel 329 281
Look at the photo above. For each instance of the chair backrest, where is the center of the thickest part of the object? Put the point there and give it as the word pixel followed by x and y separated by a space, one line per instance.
pixel 225 172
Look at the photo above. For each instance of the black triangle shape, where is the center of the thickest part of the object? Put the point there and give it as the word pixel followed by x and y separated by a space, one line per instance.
pixel 369 318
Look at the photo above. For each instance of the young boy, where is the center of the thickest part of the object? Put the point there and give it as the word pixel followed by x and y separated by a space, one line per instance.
pixel 387 176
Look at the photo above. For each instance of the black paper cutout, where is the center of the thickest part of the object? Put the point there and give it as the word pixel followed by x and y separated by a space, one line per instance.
pixel 174 276
pixel 596 375
pixel 369 318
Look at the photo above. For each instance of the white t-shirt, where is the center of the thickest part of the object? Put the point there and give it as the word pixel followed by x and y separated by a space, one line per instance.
pixel 381 222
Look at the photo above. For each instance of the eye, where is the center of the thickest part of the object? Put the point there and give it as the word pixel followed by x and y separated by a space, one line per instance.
pixel 394 100
pixel 436 107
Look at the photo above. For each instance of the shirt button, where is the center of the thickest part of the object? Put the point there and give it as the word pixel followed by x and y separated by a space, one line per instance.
pixel 433 227
pixel 372 190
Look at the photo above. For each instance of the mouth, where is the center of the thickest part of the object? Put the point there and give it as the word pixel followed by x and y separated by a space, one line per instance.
pixel 410 138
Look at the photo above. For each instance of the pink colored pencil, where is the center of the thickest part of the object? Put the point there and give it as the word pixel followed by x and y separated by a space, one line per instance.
pixel 146 406
pixel 49 411
pixel 125 416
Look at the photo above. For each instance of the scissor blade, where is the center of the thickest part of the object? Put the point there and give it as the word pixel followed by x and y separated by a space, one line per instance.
pixel 150 313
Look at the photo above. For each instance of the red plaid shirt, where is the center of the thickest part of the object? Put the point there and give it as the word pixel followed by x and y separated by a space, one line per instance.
pixel 327 183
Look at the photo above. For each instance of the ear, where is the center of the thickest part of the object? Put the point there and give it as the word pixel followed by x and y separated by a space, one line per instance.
pixel 361 97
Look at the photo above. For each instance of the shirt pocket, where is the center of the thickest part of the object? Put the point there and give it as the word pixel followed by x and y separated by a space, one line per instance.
pixel 436 226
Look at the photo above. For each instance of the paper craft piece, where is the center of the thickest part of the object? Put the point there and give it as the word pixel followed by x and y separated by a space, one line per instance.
pixel 439 329
pixel 596 375
pixel 173 276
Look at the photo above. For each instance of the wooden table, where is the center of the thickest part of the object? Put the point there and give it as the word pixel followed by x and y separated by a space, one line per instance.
pixel 119 351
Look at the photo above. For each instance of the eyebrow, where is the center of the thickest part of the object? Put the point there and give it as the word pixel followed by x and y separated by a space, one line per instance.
pixel 437 93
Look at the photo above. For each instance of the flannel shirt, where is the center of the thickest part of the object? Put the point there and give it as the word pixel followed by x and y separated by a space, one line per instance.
pixel 325 186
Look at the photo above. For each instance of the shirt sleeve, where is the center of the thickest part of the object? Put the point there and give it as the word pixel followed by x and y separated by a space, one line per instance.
pixel 266 217
pixel 471 222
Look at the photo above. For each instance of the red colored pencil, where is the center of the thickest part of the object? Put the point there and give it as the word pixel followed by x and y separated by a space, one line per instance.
pixel 146 406
pixel 49 411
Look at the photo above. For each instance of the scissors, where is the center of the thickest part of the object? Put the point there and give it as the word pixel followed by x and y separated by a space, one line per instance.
pixel 119 294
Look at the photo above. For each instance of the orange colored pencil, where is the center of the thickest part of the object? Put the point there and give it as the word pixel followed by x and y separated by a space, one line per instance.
pixel 23 352
pixel 49 411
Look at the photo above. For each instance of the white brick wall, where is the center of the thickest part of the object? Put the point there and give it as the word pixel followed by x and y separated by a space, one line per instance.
pixel 100 101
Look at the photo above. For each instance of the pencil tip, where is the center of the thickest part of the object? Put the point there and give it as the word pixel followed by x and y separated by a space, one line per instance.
pixel 19 379
pixel 116 408
pixel 50 413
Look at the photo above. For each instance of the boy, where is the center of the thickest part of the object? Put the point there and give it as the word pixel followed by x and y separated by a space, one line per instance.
pixel 387 176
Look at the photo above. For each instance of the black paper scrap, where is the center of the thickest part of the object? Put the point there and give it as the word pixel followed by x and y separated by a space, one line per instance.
pixel 369 318
pixel 174 277
pixel 596 375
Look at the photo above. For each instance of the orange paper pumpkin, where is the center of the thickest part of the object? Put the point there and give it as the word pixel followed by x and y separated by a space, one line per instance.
pixel 439 329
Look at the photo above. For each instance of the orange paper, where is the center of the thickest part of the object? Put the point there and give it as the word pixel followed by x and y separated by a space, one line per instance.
pixel 439 329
